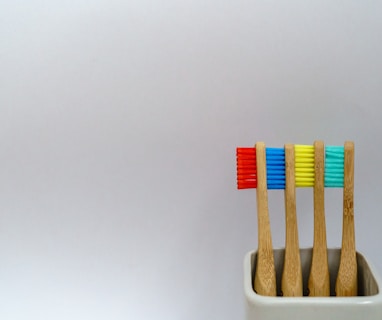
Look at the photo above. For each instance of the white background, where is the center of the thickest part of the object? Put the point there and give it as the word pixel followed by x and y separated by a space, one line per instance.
pixel 118 127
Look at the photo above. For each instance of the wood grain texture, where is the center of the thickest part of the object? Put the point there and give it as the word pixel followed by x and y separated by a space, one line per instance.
pixel 291 281
pixel 319 280
pixel 265 275
pixel 346 283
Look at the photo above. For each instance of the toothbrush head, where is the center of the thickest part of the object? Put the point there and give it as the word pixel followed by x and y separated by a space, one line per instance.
pixel 246 168
pixel 304 165
pixel 334 166
pixel 275 158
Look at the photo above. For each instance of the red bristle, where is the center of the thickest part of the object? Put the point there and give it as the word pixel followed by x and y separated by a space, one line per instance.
pixel 246 171
pixel 246 163
pixel 245 160
pixel 246 168
pixel 246 185
pixel 246 150
pixel 246 176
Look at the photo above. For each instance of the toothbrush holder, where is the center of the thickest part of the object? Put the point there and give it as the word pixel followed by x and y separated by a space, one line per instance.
pixel 366 305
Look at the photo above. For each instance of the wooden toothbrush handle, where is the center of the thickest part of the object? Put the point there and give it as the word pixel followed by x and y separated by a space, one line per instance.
pixel 346 284
pixel 265 275
pixel 319 279
pixel 291 282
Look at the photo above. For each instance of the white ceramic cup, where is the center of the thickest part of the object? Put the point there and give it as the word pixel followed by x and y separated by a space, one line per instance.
pixel 366 306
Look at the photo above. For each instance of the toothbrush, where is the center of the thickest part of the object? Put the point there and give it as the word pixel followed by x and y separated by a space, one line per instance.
pixel 265 278
pixel 291 281
pixel 252 173
pixel 346 283
pixel 319 280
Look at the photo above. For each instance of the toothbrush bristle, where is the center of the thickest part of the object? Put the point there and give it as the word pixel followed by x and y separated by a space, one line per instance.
pixel 246 168
pixel 304 165
pixel 334 166
pixel 275 158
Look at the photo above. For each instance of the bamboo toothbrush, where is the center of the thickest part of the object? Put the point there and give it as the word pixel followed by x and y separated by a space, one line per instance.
pixel 291 281
pixel 346 284
pixel 319 280
pixel 265 278
pixel 252 173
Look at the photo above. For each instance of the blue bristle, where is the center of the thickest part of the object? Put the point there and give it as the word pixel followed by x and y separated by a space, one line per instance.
pixel 276 186
pixel 271 150
pixel 275 158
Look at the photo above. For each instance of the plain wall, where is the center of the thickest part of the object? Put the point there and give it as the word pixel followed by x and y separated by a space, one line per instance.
pixel 118 127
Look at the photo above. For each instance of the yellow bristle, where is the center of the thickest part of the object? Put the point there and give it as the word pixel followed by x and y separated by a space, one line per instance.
pixel 304 165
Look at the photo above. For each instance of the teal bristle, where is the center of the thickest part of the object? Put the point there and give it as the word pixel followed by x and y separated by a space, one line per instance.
pixel 334 166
